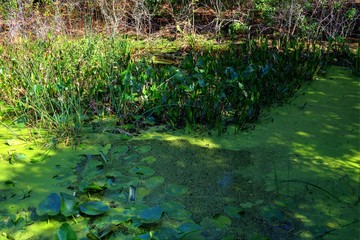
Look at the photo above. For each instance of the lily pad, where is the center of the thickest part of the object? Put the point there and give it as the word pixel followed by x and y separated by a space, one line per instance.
pixel 94 208
pixel 247 205
pixel 121 149
pixel 50 206
pixel 234 211
pixel 131 157
pixel 92 169
pixel 68 205
pixel 165 233
pixel 142 170
pixel 149 214
pixel 148 160
pixel 154 182
pixel 143 149
pixel 176 190
pixel 66 232
pixel 188 227
pixel 221 221
pixel 170 206
pixel 180 214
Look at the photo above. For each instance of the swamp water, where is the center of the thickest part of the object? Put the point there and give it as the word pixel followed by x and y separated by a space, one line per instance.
pixel 296 176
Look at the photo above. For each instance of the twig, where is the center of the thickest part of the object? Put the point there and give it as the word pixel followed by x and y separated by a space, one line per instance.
pixel 332 230
pixel 313 185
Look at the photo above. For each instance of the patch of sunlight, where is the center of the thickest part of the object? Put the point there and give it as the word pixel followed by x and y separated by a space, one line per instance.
pixel 303 219
pixel 303 134
pixel 306 235
pixel 39 230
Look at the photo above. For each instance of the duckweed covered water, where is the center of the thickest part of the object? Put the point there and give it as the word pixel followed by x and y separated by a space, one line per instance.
pixel 296 176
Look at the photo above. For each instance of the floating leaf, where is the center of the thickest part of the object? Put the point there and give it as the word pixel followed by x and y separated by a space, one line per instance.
pixel 154 182
pixel 131 157
pixel 68 205
pixel 188 227
pixel 122 182
pixel 221 221
pixel 92 169
pixel 121 149
pixel 180 214
pixel 50 206
pixel 176 190
pixel 165 233
pixel 148 160
pixel 142 170
pixel 171 205
pixel 149 214
pixel 91 186
pixel 94 208
pixel 246 205
pixel 66 232
pixel 143 149
pixel 234 211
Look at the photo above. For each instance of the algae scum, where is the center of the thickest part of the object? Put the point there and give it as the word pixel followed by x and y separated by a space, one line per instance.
pixel 296 176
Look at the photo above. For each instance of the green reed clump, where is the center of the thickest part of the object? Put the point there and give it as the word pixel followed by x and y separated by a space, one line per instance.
pixel 60 82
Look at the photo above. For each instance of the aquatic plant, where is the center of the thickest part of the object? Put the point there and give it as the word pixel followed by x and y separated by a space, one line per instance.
pixel 59 84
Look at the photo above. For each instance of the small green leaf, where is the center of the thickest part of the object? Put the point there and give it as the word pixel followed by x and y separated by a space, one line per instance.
pixel 148 160
pixel 94 208
pixel 154 182
pixel 176 190
pixel 143 149
pixel 121 149
pixel 246 205
pixel 221 221
pixel 66 232
pixel 142 170
pixel 234 211
pixel 50 206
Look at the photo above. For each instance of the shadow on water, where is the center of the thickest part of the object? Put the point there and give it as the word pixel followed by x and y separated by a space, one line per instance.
pixel 296 176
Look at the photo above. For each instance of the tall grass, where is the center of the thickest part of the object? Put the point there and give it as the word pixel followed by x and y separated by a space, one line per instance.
pixel 59 83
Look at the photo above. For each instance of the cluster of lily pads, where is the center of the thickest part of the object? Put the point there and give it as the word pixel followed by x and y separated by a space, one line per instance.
pixel 117 194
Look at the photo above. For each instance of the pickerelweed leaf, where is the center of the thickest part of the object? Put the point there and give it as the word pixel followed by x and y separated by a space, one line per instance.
pixel 94 208
pixel 50 206
pixel 68 205
pixel 66 232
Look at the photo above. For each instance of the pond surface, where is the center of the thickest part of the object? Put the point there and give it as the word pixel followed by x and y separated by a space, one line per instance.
pixel 295 176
